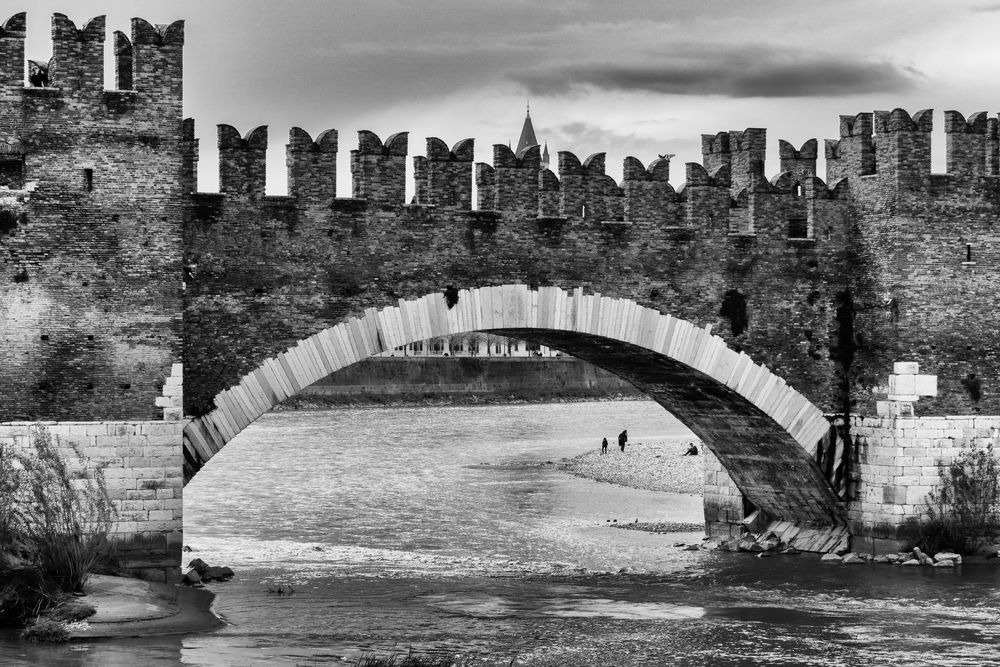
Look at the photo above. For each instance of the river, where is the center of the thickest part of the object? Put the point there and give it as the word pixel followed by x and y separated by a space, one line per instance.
pixel 449 530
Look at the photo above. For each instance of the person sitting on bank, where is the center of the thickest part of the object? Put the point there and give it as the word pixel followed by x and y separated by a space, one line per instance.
pixel 692 450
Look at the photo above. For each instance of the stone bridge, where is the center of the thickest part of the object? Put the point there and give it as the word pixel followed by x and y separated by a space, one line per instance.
pixel 151 323
pixel 764 432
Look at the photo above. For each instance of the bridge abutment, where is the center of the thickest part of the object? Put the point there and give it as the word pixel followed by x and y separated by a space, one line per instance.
pixel 142 463
pixel 895 463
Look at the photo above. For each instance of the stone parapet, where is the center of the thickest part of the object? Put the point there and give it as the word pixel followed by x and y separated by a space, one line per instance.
pixel 142 468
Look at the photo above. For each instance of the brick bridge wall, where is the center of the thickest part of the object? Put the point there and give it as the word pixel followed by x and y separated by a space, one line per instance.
pixel 100 235
pixel 111 270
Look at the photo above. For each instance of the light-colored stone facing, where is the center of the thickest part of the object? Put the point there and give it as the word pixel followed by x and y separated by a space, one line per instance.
pixel 143 475
pixel 900 461
pixel 722 500
pixel 172 398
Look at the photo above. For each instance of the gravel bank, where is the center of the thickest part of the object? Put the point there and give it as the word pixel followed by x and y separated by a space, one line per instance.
pixel 654 466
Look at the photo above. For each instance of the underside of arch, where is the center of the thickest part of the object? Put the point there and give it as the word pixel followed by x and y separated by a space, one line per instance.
pixel 770 468
pixel 765 433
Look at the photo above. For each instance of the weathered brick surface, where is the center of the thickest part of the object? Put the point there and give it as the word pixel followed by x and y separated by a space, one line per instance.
pixel 862 289
pixel 90 281
pixel 137 456
pixel 111 270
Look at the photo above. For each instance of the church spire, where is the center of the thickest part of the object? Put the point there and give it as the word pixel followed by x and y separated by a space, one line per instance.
pixel 527 139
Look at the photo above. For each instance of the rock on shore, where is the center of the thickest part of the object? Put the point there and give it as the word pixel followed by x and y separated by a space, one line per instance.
pixel 654 466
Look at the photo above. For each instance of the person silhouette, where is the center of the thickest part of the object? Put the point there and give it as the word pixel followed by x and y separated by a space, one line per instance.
pixel 604 446
pixel 622 439
pixel 692 450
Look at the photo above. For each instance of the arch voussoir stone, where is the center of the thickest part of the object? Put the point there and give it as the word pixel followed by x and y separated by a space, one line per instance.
pixel 706 374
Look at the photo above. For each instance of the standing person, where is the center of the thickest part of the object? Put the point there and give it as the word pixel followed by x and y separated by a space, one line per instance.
pixel 604 446
pixel 622 439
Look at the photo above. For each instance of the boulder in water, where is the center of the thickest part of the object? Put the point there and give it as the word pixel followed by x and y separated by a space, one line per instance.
pixel 199 566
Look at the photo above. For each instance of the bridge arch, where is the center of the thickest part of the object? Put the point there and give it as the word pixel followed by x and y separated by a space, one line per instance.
pixel 764 432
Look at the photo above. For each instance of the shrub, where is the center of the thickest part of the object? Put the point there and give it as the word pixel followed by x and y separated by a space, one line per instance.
pixel 966 505
pixel 55 518
pixel 24 594
pixel 46 630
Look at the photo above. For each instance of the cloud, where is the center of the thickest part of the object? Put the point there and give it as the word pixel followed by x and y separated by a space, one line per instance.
pixel 584 138
pixel 752 71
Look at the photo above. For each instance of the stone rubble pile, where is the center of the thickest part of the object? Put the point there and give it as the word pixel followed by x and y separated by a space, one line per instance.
pixel 767 544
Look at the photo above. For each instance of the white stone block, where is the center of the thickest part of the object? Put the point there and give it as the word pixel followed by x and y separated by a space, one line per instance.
pixel 906 368
pixel 902 384
pixel 925 385
pixel 909 398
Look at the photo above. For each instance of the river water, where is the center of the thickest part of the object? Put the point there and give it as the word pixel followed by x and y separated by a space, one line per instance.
pixel 450 530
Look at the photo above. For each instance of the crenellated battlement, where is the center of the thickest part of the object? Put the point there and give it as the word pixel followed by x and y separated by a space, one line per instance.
pixel 739 150
pixel 242 161
pixel 966 144
pixel 802 162
pixel 149 61
pixel 148 74
pixel 379 170
pixel 511 183
pixel 77 63
pixel 312 165
pixel 729 194
pixel 444 176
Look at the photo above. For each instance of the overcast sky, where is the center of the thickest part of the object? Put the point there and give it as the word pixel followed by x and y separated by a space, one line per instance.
pixel 642 78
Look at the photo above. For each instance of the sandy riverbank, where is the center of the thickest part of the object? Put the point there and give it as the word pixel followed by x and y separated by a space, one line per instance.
pixel 654 466
pixel 134 608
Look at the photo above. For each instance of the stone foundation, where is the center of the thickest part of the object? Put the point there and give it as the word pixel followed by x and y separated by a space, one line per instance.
pixel 895 463
pixel 898 462
pixel 723 503
pixel 143 473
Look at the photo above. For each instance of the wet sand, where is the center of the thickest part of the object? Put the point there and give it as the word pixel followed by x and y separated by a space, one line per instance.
pixel 134 608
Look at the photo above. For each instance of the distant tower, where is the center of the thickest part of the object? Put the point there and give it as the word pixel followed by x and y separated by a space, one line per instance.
pixel 528 139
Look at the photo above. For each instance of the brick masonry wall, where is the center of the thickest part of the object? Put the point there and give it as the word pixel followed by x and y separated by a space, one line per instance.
pixel 899 460
pixel 865 288
pixel 90 246
pixel 143 472
pixel 265 273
